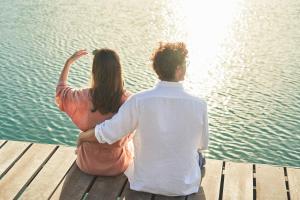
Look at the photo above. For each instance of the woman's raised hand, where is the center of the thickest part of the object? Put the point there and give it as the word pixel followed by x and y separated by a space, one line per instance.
pixel 65 71
pixel 76 56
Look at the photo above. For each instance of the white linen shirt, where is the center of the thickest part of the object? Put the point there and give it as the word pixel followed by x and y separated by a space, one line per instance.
pixel 170 126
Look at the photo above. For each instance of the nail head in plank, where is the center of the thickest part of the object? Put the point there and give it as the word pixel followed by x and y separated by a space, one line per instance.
pixel 270 183
pixel 10 152
pixel 75 184
pixel 51 174
pixel 238 181
pixel 109 187
pixel 210 185
pixel 294 182
pixel 24 169
pixel 129 194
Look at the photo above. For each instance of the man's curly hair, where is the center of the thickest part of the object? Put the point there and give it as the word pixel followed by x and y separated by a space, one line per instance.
pixel 167 58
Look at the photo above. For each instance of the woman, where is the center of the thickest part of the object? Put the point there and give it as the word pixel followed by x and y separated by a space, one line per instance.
pixel 87 107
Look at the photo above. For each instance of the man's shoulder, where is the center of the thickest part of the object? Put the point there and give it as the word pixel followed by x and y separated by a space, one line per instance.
pixel 195 98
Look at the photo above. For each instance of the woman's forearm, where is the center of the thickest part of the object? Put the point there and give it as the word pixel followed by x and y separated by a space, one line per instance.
pixel 65 72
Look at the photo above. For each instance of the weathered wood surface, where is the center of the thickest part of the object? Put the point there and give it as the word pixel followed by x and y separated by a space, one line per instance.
pixel 57 192
pixel 128 194
pixel 24 170
pixel 238 181
pixel 10 152
pixel 210 185
pixel 76 184
pixel 270 183
pixel 41 171
pixel 51 174
pixel 107 187
pixel 294 182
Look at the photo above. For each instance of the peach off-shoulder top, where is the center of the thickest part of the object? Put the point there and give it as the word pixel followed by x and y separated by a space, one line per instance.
pixel 93 158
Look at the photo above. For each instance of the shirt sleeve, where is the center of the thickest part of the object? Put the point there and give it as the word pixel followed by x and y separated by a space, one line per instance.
pixel 66 98
pixel 121 124
pixel 205 134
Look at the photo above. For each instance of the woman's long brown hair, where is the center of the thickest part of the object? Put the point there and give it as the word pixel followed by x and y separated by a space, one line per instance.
pixel 107 83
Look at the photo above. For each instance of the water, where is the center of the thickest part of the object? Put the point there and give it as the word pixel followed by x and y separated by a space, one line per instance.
pixel 244 60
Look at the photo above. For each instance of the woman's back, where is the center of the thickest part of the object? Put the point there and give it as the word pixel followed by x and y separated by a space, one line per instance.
pixel 83 106
pixel 93 158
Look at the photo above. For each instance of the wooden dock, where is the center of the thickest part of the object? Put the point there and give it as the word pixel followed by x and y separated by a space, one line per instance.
pixel 43 171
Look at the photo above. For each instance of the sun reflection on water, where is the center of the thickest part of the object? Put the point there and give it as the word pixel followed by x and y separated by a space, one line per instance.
pixel 204 25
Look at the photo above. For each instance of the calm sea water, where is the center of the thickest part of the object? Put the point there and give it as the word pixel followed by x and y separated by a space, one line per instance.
pixel 244 60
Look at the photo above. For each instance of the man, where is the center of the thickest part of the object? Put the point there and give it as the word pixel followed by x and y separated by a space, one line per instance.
pixel 171 125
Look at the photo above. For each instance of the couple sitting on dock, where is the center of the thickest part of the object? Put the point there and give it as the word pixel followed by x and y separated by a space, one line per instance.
pixel 166 124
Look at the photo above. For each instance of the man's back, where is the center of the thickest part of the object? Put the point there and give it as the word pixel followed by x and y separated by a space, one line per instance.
pixel 172 125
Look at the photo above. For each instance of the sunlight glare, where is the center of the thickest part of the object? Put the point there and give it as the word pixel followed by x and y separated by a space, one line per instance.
pixel 207 24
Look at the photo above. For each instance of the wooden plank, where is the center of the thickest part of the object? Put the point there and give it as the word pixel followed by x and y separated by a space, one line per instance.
pixel 109 187
pixel 270 183
pixel 9 153
pixel 129 194
pixel 294 182
pixel 238 181
pixel 160 197
pixel 23 170
pixel 57 192
pixel 75 184
pixel 51 174
pixel 210 185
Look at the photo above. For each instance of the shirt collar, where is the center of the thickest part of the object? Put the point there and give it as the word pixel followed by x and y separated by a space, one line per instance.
pixel 169 84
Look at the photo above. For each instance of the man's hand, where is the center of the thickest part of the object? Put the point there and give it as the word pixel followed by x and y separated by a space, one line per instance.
pixel 79 141
pixel 87 136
